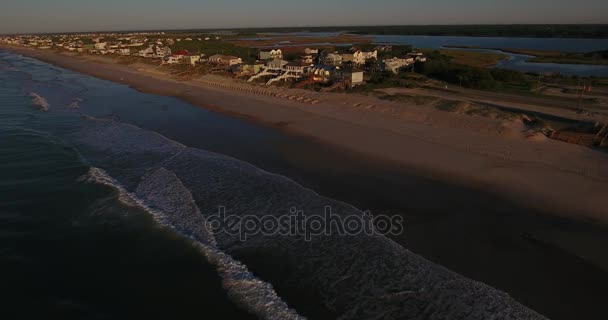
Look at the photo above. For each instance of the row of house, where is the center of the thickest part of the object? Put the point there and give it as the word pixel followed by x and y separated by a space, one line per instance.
pixel 321 66
pixel 314 66
pixel 281 70
pixel 184 57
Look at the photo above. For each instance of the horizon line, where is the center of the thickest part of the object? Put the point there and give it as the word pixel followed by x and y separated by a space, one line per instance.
pixel 309 26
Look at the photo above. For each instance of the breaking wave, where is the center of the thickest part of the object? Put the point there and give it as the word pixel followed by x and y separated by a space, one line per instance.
pixel 256 296
pixel 75 104
pixel 39 101
pixel 365 276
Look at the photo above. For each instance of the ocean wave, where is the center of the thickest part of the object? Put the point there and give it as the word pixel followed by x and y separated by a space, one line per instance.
pixel 39 101
pixel 75 104
pixel 366 276
pixel 161 194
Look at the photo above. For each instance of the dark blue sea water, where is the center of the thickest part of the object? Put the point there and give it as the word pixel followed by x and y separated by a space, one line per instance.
pixel 74 243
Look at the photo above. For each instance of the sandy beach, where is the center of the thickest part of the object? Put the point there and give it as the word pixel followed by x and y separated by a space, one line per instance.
pixel 489 153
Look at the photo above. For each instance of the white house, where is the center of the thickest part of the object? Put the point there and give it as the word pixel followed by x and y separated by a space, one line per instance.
pixel 147 52
pixel 194 59
pixel 272 54
pixel 395 64
pixel 309 51
pixel 160 52
pixel 100 45
pixel 333 59
pixel 173 59
pixel 417 56
pixel 356 78
pixel 360 57
pixel 225 60
pixel 276 64
pixel 308 59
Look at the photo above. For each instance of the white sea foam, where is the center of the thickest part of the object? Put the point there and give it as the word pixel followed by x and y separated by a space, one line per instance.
pixel 75 104
pixel 162 190
pixel 39 101
pixel 357 277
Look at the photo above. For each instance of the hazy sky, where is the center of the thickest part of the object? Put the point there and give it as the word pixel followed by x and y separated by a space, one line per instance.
pixel 89 15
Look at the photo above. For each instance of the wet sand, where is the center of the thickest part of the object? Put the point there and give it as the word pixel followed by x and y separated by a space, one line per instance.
pixel 508 165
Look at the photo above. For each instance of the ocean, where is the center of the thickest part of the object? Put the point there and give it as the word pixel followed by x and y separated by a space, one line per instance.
pixel 73 244
pixel 103 189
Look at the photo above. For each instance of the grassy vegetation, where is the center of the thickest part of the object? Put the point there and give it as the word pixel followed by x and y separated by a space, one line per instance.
pixel 411 99
pixel 385 79
pixel 452 70
pixel 592 58
pixel 442 67
pixel 287 41
pixel 212 47
pixel 474 59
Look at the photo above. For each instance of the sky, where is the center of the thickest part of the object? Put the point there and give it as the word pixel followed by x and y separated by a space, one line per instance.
pixel 32 16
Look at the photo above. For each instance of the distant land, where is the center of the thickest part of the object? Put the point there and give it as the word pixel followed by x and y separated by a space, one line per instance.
pixel 594 31
pixel 516 30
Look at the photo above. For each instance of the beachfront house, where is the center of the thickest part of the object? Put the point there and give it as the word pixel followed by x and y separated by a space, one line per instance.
pixel 182 53
pixel 101 45
pixel 276 54
pixel 231 60
pixel 172 59
pixel 396 64
pixel 251 69
pixel 349 77
pixel 161 52
pixel 289 71
pixel 384 48
pixel 276 64
pixel 296 68
pixel 147 53
pixel 223 60
pixel 216 58
pixel 417 56
pixel 181 56
pixel 347 57
pixel 272 54
pixel 332 59
pixel 308 59
pixel 323 74
pixel 309 51
pixel 310 56
pixel 360 57
pixel 193 59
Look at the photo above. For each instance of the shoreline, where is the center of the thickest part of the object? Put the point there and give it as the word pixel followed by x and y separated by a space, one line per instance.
pixel 552 176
